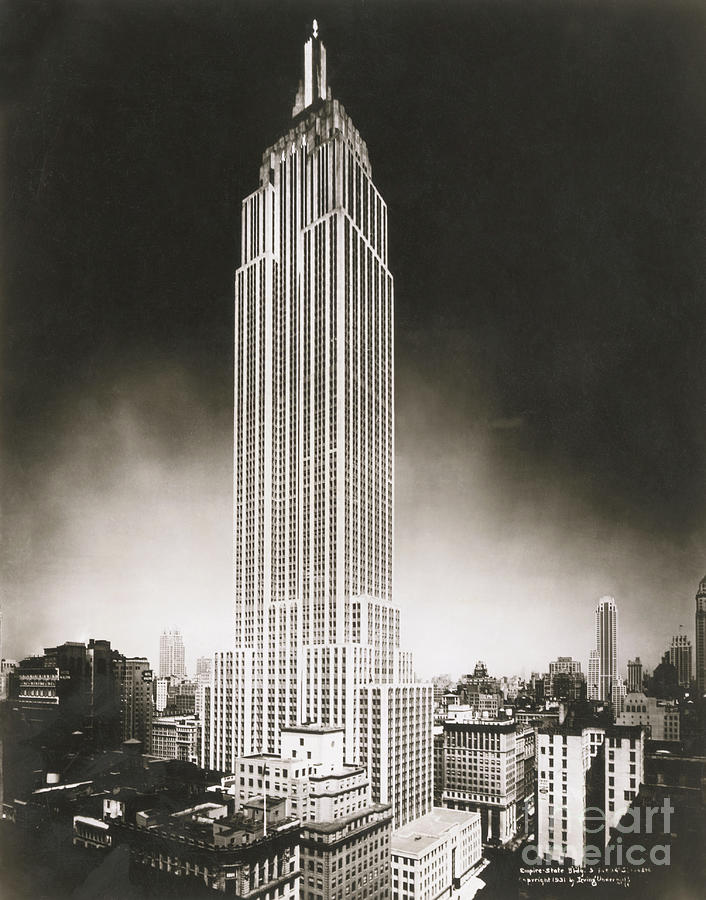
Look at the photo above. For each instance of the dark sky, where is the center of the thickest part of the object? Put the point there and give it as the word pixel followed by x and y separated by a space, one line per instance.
pixel 544 169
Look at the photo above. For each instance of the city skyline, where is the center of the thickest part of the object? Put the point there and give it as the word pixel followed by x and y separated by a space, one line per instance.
pixel 517 490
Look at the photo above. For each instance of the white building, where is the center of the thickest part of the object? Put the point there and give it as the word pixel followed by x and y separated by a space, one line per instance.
pixel 317 633
pixel 624 771
pixel 659 718
pixel 435 855
pixel 584 769
pixel 175 737
pixel 345 836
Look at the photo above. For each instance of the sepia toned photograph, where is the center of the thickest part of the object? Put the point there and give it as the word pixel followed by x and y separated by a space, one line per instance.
pixel 352 449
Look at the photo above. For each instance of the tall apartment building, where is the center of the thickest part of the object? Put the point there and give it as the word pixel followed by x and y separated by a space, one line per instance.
pixel 172 655
pixel 680 651
pixel 586 777
pixel 435 855
pixel 634 675
pixel 701 639
pixel 488 767
pixel 317 632
pixel 135 681
pixel 345 838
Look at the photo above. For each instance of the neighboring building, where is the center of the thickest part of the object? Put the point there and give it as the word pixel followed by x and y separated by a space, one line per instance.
pixel 204 674
pixel 680 657
pixel 594 676
pixel 566 681
pixel 37 690
pixel 347 857
pixel 439 768
pixel 93 834
pixel 701 639
pixel 204 668
pixel 478 684
pixel 175 696
pixel 204 846
pixel 71 660
pixel 175 737
pixel 172 656
pixel 659 718
pixel 511 687
pixel 345 836
pixel 634 675
pixel 7 667
pixel 74 683
pixel 584 769
pixel 619 693
pixel 161 688
pixel 538 687
pixel 488 769
pixel 308 751
pixel 104 694
pixel 135 680
pixel 317 633
pixel 435 855
pixel 625 770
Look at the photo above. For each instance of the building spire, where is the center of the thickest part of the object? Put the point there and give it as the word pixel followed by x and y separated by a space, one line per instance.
pixel 313 87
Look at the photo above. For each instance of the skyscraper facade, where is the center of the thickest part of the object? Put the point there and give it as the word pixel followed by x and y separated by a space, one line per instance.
pixel 607 647
pixel 701 638
pixel 634 674
pixel 593 680
pixel 134 677
pixel 680 658
pixel 172 656
pixel 317 633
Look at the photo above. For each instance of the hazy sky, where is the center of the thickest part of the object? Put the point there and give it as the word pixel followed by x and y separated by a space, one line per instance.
pixel 544 168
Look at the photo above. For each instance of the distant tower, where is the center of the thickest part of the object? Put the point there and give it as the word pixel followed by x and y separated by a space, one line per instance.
pixel 701 639
pixel 680 658
pixel 607 647
pixel 171 655
pixel 204 667
pixel 634 674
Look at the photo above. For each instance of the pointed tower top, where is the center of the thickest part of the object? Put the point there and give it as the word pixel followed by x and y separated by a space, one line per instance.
pixel 313 87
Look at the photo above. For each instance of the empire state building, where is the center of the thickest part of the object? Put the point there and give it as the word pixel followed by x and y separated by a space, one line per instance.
pixel 317 632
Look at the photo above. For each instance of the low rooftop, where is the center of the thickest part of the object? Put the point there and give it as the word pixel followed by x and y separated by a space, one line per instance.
pixel 314 728
pixel 415 838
